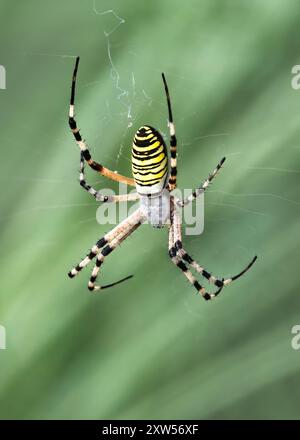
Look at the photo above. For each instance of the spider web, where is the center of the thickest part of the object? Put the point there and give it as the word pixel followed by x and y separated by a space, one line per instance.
pixel 130 97
pixel 219 142
pixel 45 231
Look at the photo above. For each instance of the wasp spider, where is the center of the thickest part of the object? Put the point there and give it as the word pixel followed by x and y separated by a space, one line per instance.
pixel 154 180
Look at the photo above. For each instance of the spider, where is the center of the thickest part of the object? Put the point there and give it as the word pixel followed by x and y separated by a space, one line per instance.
pixel 154 183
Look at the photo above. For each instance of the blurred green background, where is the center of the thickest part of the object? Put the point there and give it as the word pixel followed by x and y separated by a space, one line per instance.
pixel 150 348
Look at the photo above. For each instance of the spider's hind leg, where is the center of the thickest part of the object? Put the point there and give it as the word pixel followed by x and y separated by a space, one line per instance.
pixel 83 145
pixel 97 194
pixel 172 184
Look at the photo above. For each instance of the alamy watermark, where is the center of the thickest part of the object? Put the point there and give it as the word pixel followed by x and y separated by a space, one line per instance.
pixel 2 337
pixel 295 341
pixel 2 328
pixel 295 82
pixel 191 215
pixel 2 77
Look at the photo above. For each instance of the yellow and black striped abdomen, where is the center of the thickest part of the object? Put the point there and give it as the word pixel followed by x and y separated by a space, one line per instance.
pixel 149 160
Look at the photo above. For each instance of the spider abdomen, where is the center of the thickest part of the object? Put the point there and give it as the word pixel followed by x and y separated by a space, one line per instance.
pixel 149 161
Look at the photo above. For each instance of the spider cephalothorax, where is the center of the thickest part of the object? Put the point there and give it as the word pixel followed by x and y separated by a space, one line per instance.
pixel 158 206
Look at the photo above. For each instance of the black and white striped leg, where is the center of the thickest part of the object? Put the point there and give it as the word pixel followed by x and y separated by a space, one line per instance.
pixel 201 188
pixel 104 253
pixel 173 140
pixel 177 260
pixel 181 253
pixel 97 194
pixel 189 260
pixel 119 230
pixel 92 254
pixel 82 144
pixel 211 278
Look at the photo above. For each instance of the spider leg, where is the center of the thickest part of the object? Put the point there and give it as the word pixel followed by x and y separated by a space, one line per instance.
pixel 173 140
pixel 105 252
pixel 188 274
pixel 211 278
pixel 97 194
pixel 177 260
pixel 82 144
pixel 201 188
pixel 179 256
pixel 187 258
pixel 115 232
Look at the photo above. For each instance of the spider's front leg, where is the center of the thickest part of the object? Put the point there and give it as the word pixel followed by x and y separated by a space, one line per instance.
pixel 128 228
pixel 97 194
pixel 106 245
pixel 180 257
pixel 217 281
pixel 174 232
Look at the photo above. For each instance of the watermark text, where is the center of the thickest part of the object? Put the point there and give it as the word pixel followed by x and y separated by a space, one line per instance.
pixel 191 215
pixel 2 77
pixel 2 338
pixel 295 82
